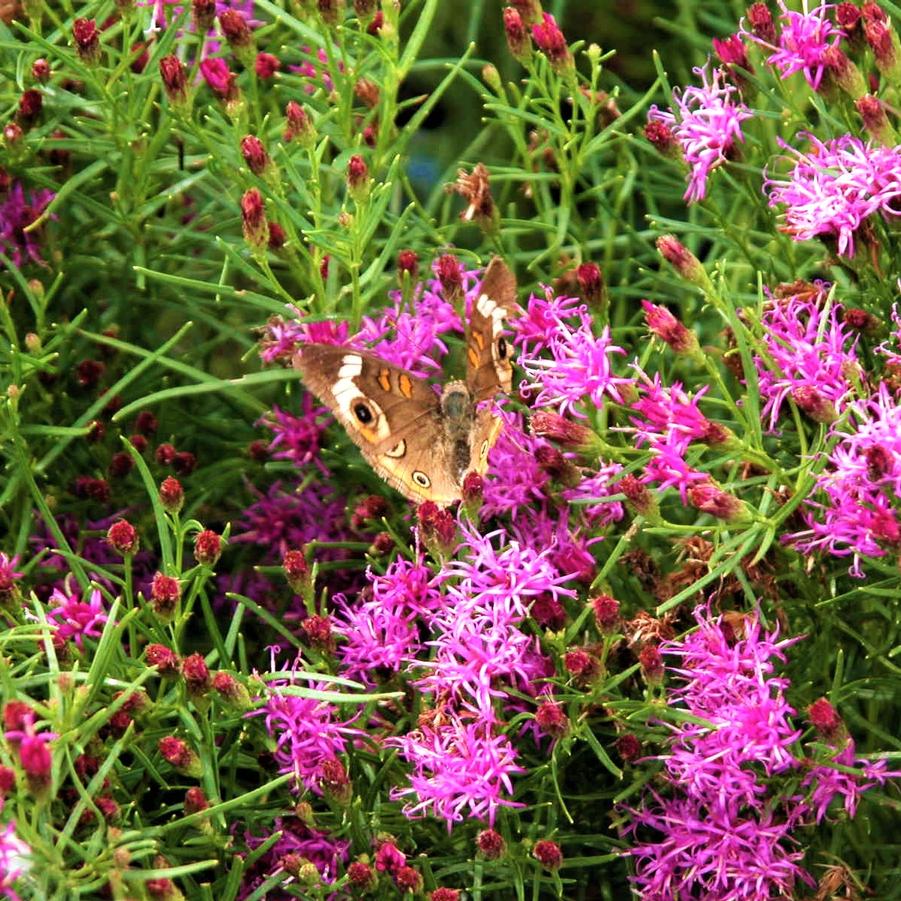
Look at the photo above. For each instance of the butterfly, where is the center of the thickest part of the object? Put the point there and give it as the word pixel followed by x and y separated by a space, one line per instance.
pixel 421 443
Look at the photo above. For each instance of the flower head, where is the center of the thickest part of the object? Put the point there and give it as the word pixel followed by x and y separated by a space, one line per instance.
pixel 17 212
pixel 75 618
pixel 835 187
pixel 707 123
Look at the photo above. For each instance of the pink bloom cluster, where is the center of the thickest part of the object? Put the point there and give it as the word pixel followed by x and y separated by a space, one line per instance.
pixel 810 356
pixel 707 124
pixel 860 485
pixel 17 212
pixel 718 830
pixel 804 38
pixel 835 187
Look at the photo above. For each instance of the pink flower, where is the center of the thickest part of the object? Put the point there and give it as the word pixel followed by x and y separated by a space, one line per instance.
pixel 307 731
pixel 707 124
pixel 835 187
pixel 16 214
pixel 297 438
pixel 461 769
pixel 14 861
pixel 803 41
pixel 807 347
pixel 580 370
pixel 218 76
pixel 75 618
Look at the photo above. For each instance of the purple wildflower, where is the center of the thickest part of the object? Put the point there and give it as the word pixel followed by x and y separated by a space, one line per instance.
pixel 597 487
pixel 76 618
pixel 516 480
pixel 16 213
pixel 890 349
pixel 829 782
pixel 326 853
pixel 14 862
pixel 718 837
pixel 297 438
pixel 707 125
pixel 479 646
pixel 835 187
pixel 803 41
pixel 280 520
pixel 8 576
pixel 861 483
pixel 381 630
pixel 669 469
pixel 808 349
pixel 568 550
pixel 536 326
pixel 461 768
pixel 308 731
pixel 580 369
pixel 317 75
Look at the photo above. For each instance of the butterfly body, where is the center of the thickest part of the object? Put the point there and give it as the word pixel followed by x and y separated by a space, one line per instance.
pixel 421 443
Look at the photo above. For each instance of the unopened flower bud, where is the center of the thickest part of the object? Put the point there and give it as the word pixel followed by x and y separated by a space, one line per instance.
pixel 196 674
pixel 407 264
pixel 203 14
pixel 581 665
pixel 31 102
pixel 550 40
pixel 551 719
pixel 517 36
pixel 367 92
pixel 825 719
pixel 682 260
pixel 40 70
pixel 195 801
pixel 651 661
pixel 253 220
pixel 761 20
pixel 564 432
pixel 548 854
pixel 437 527
pixel 875 120
pixel 408 880
pixel 238 34
pixel 358 180
pixel 298 125
pixel 164 659
pixel 87 40
pixel 663 139
pixel 255 155
pixel 591 283
pixel 665 326
pixel 122 537
pixel 815 404
pixel 606 613
pixel 172 495
pixel 296 569
pixel 843 72
pixel 628 747
pixel 361 876
pixel 230 690
pixel 490 844
pixel 708 498
pixel 165 593
pixel 449 271
pixel 638 496
pixel 207 547
pixel 175 80
pixel 177 753
pixel 266 65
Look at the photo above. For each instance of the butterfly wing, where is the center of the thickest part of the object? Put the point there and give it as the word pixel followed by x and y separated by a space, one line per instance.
pixel 390 414
pixel 488 365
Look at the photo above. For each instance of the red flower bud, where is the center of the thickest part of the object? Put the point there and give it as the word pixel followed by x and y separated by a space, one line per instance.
pixel 87 40
pixel 296 569
pixel 491 844
pixel 207 547
pixel 551 719
pixel 253 217
pixel 31 103
pixel 236 30
pixel 165 660
pixel 665 326
pixel 266 65
pixel 172 495
pixel 298 125
pixel 591 282
pixel 40 70
pixel 628 747
pixel 761 21
pixel 165 454
pixel 203 13
pixel 550 40
pixel 122 537
pixel 175 79
pixel 606 613
pixel 361 875
pixel 255 154
pixel 449 270
pixel 651 661
pixel 518 40
pixel 195 801
pixel 196 674
pixel 825 719
pixel 357 177
pixel 548 854
pixel 165 593
pixel 407 263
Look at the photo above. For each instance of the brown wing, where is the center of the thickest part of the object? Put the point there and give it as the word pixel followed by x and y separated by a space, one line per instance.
pixel 488 366
pixel 390 414
pixel 485 431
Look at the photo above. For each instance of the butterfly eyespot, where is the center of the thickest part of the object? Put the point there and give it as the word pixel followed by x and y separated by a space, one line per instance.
pixel 502 348
pixel 363 413
pixel 422 479
pixel 483 450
